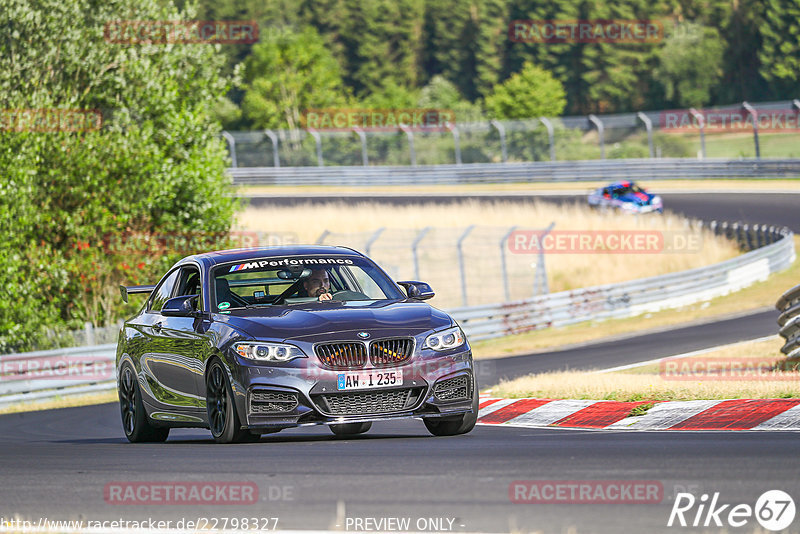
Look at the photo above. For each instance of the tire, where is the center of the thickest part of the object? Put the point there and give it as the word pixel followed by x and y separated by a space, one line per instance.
pixel 461 424
pixel 135 423
pixel 350 429
pixel 223 420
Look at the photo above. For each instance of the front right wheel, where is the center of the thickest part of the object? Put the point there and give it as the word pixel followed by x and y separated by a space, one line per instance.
pixel 460 424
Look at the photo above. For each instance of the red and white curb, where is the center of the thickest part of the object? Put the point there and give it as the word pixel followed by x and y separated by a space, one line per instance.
pixel 735 414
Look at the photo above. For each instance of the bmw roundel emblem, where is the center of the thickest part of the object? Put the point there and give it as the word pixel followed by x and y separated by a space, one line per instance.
pixel 363 335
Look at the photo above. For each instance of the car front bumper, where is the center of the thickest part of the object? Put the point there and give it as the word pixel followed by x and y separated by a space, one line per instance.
pixel 273 398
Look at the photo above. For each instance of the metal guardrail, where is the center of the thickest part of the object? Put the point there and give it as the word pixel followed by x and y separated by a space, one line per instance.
pixel 628 299
pixel 621 169
pixel 789 321
pixel 74 371
pixel 48 374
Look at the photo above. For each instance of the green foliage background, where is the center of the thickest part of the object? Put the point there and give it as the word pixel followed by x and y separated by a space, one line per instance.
pixel 69 199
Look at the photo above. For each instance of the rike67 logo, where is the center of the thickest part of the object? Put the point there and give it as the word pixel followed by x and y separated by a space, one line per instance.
pixel 774 510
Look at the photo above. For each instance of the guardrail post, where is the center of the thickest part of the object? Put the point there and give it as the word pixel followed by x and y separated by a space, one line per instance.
pixel 456 140
pixel 321 238
pixel 701 124
pixel 414 246
pixel 599 125
pixel 502 131
pixel 754 116
pixel 318 140
pixel 503 247
pixel 231 147
pixel 461 268
pixel 551 136
pixel 372 239
pixel 540 285
pixel 649 125
pixel 363 137
pixel 410 136
pixel 276 160
pixel 796 105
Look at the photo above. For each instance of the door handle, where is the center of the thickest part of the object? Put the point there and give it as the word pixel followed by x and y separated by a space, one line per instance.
pixel 157 327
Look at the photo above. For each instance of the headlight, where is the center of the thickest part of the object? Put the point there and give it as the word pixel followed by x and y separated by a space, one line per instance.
pixel 268 352
pixel 445 340
pixel 656 200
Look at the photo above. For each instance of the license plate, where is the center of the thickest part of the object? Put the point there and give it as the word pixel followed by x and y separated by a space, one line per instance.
pixel 370 379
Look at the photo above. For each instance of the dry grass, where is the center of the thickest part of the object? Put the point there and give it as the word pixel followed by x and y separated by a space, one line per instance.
pixel 352 224
pixel 646 383
pixel 63 402
pixel 759 295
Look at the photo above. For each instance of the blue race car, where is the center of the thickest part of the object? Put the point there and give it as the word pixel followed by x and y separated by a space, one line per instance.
pixel 626 196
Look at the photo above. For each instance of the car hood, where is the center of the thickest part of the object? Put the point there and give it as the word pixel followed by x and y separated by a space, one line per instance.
pixel 310 320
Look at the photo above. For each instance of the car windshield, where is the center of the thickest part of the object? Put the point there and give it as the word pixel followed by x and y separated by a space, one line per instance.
pixel 293 280
pixel 633 188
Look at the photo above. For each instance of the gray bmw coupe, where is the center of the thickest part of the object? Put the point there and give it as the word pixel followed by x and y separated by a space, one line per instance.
pixel 252 341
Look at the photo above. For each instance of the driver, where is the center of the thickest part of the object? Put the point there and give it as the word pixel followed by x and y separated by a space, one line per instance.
pixel 317 284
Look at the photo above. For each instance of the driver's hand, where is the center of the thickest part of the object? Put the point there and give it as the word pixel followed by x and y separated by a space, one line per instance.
pixel 325 296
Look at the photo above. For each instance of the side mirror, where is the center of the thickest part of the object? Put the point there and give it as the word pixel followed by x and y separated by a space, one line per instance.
pixel 180 306
pixel 417 290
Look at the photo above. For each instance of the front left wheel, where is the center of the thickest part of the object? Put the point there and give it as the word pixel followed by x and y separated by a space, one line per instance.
pixel 135 423
pixel 223 420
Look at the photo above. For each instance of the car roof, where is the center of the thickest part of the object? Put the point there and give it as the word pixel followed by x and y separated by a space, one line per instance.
pixel 210 259
pixel 622 184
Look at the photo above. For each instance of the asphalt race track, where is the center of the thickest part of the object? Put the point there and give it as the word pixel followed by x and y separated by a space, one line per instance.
pixel 55 465
pixel 753 208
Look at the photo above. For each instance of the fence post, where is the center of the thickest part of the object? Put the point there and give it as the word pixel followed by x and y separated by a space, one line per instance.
pixel 456 139
pixel 321 238
pixel 315 134
pixel 551 136
pixel 701 124
pixel 649 125
pixel 231 147
pixel 89 330
pixel 503 261
pixel 410 135
pixel 414 245
pixel 502 131
pixel 276 160
pixel 599 125
pixel 363 137
pixel 374 237
pixel 459 244
pixel 753 115
pixel 540 286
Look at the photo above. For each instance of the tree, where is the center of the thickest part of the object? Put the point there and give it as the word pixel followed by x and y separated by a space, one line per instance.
pixel 691 65
pixel 532 92
pixel 780 54
pixel 156 166
pixel 288 73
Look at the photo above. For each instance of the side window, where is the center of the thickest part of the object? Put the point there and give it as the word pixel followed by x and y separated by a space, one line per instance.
pixel 163 292
pixel 189 283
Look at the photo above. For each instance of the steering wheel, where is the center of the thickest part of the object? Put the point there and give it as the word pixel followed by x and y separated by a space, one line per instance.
pixel 346 294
